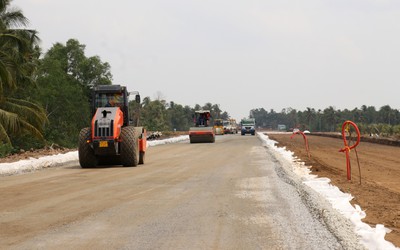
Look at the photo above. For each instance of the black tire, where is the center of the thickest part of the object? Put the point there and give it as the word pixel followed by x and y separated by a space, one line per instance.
pixel 87 159
pixel 141 157
pixel 129 147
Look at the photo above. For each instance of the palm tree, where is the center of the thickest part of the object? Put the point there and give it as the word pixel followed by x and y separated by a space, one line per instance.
pixel 310 115
pixel 20 116
pixel 18 55
pixel 384 114
pixel 330 116
pixel 216 111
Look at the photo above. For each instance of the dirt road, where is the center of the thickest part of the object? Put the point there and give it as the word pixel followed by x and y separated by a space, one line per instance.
pixel 225 195
pixel 379 192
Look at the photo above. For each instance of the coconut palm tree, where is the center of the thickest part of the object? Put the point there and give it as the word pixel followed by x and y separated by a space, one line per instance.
pixel 330 117
pixel 17 67
pixel 310 116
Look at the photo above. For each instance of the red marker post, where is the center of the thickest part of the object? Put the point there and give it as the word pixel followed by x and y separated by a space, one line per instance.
pixel 347 148
pixel 305 141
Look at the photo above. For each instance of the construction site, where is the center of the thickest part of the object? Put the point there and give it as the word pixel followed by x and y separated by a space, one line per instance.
pixel 375 188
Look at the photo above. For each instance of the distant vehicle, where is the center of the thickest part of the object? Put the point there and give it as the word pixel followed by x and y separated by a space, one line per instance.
pixel 230 126
pixel 218 126
pixel 281 127
pixel 248 126
pixel 202 131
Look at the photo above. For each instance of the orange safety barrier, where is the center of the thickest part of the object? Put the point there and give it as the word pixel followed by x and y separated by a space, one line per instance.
pixel 305 141
pixel 347 148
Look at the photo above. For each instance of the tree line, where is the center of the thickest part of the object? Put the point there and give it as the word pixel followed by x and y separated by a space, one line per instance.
pixel 61 94
pixel 384 121
pixel 45 97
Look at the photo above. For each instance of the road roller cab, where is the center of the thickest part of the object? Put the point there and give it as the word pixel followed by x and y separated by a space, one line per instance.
pixel 111 139
pixel 202 130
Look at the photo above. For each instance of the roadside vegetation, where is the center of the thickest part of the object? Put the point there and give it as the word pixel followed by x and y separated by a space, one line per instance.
pixel 45 96
pixel 384 121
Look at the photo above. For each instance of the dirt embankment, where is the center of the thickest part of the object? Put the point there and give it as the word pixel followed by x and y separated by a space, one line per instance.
pixel 363 138
pixel 379 191
pixel 35 153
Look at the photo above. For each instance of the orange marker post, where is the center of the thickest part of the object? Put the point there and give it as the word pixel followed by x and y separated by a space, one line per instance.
pixel 347 148
pixel 305 141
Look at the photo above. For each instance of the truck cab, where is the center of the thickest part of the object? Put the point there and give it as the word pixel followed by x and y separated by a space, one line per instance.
pixel 248 126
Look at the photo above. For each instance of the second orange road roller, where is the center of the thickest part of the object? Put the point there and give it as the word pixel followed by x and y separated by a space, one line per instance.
pixel 202 131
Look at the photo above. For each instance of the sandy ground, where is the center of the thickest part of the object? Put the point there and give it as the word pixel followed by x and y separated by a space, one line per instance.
pixel 379 191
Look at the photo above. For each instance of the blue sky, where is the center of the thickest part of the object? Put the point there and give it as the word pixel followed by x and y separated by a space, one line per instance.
pixel 239 54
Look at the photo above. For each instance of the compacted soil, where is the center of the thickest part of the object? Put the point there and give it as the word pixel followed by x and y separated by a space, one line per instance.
pixel 379 191
pixel 378 194
pixel 185 196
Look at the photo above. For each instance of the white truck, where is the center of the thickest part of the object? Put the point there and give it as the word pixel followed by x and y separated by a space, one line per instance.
pixel 248 126
pixel 230 126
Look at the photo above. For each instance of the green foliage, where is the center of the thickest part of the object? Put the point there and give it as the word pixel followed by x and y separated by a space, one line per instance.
pixel 396 130
pixel 158 115
pixel 135 113
pixel 18 63
pixel 5 149
pixel 364 128
pixel 330 119
pixel 71 62
pixel 19 117
pixel 26 142
pixel 64 79
pixel 154 116
pixel 180 117
pixel 68 110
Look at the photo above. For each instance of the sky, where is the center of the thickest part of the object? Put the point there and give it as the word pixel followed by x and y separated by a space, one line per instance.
pixel 370 237
pixel 313 53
